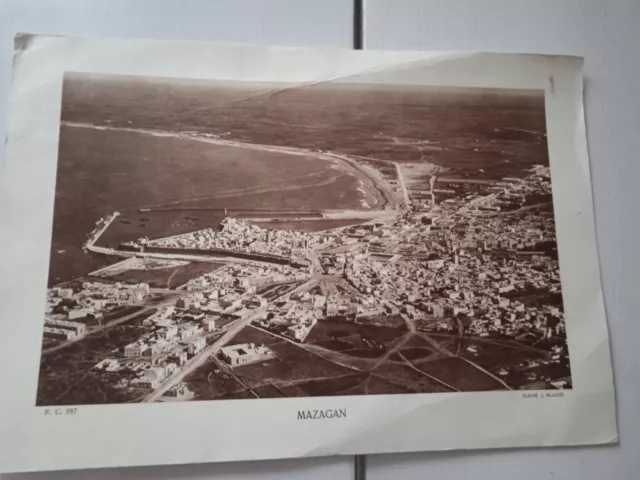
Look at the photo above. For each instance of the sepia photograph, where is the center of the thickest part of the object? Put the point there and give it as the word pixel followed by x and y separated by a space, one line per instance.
pixel 219 240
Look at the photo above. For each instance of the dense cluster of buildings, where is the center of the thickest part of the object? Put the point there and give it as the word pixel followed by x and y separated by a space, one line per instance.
pixel 176 334
pixel 63 330
pixel 294 316
pixel 69 308
pixel 468 258
pixel 242 236
pixel 484 262
pixel 233 289
pixel 470 262
pixel 247 277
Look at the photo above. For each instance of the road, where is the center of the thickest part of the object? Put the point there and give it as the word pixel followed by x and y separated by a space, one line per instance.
pixel 448 352
pixel 428 375
pixel 306 286
pixel 168 301
pixel 202 357
pixel 412 329
pixel 532 132
pixel 332 356
pixel 175 256
pixel 396 348
pixel 106 326
pixel 405 193
pixel 223 366
pixel 432 184
pixel 99 233
pixel 364 365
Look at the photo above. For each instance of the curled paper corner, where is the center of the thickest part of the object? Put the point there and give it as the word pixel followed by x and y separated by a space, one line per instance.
pixel 21 42
pixel 24 42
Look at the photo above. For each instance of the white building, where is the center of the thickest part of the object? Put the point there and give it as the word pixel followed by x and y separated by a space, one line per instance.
pixel 78 313
pixel 168 332
pixel 435 264
pixel 150 378
pixel 189 330
pixel 298 332
pixel 209 324
pixel 196 345
pixel 77 327
pixel 59 333
pixel 135 349
pixel 245 353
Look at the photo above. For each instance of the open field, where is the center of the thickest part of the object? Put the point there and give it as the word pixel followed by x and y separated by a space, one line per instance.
pixel 208 382
pixel 171 277
pixel 333 386
pixel 297 373
pixel 376 385
pixel 459 374
pixel 414 350
pixel 404 376
pixel 253 335
pixel 353 339
pixel 446 340
pixel 293 363
pixel 66 377
pixel 493 356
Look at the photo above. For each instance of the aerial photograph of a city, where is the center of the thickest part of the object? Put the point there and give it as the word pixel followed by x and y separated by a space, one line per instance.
pixel 217 240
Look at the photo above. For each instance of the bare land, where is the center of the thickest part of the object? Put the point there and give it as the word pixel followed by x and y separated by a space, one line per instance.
pixel 171 277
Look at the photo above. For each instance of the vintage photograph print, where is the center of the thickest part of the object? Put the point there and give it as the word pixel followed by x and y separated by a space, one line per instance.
pixel 233 240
